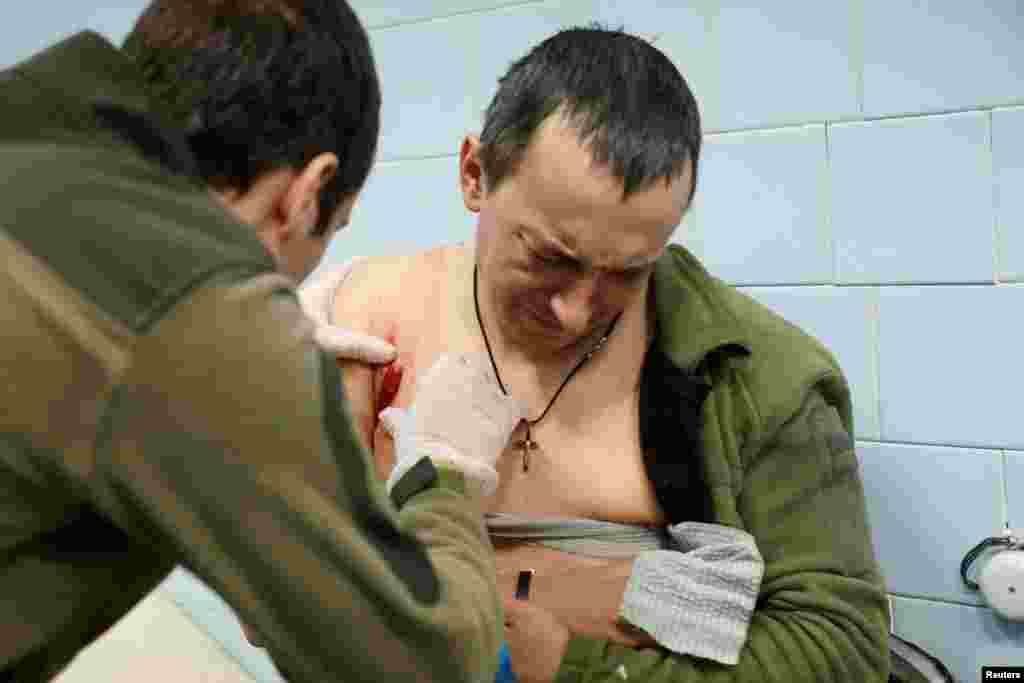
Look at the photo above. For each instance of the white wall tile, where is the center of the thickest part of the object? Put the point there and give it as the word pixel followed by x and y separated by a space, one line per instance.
pixel 963 638
pixel 941 55
pixel 763 207
pixel 1008 162
pixel 949 365
pixel 928 506
pixel 438 77
pixel 406 207
pixel 787 61
pixel 376 13
pixel 912 200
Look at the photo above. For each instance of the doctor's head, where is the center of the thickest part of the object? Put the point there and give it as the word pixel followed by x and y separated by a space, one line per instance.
pixel 280 102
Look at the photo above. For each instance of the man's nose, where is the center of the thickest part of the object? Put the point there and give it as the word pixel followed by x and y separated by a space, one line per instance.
pixel 575 305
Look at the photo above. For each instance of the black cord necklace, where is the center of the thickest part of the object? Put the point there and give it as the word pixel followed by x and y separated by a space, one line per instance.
pixel 527 444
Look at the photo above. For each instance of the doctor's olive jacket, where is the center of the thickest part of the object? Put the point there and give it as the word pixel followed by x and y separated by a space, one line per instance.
pixel 163 403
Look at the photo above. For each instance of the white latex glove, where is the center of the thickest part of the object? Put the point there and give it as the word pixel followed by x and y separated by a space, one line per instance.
pixel 460 418
pixel 317 299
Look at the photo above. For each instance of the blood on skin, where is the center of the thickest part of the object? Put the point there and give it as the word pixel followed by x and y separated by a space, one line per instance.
pixel 385 385
pixel 390 380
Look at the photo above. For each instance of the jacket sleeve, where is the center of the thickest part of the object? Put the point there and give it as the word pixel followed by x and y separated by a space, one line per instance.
pixel 229 446
pixel 822 613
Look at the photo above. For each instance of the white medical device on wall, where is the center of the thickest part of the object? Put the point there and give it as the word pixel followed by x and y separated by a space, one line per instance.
pixel 1001 579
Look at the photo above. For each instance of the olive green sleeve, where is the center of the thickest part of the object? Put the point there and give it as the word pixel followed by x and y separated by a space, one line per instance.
pixel 822 614
pixel 229 445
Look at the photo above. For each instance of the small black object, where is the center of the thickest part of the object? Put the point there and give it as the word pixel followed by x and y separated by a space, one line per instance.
pixel 523 584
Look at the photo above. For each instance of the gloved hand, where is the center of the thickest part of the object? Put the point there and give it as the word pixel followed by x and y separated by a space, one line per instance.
pixel 317 300
pixel 460 418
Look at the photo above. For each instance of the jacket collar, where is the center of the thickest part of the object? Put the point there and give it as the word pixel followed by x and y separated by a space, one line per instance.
pixel 694 320
pixel 88 67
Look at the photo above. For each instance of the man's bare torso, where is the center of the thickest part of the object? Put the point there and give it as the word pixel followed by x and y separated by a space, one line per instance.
pixel 589 463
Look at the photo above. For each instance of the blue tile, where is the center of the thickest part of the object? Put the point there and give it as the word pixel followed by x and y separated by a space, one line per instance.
pixel 438 77
pixel 1015 490
pixel 941 55
pixel 963 638
pixel 214 616
pixel 763 216
pixel 688 234
pixel 921 534
pixel 798 63
pixel 948 365
pixel 912 200
pixel 1008 162
pixel 374 13
pixel 407 206
pixel 684 32
pixel 844 320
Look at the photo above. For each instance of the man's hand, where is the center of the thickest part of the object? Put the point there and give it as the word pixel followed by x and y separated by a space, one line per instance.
pixel 584 593
pixel 460 418
pixel 317 299
pixel 537 641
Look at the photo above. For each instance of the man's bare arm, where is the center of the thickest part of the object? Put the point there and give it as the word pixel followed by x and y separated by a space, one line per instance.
pixel 368 302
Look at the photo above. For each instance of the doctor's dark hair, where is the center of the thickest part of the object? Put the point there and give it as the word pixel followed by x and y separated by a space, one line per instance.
pixel 628 102
pixel 259 85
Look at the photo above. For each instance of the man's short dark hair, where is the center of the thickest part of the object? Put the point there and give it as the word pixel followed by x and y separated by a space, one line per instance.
pixel 259 85
pixel 628 102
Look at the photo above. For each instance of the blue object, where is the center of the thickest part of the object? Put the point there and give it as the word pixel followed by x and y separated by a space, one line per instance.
pixel 505 674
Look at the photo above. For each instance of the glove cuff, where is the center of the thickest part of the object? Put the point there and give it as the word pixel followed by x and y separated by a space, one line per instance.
pixel 481 478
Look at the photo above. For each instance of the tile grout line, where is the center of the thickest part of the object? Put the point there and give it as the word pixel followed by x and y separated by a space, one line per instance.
pixel 958 446
pixel 876 338
pixel 995 199
pixel 1005 458
pixel 937 600
pixel 462 13
pixel 829 207
pixel 425 157
pixel 860 23
pixel 848 120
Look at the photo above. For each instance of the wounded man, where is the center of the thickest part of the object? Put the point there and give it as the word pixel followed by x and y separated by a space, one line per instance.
pixel 685 488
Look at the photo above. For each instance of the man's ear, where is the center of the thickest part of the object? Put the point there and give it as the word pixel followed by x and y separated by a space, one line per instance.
pixel 471 174
pixel 300 205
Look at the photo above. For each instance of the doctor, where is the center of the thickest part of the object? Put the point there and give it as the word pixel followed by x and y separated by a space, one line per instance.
pixel 165 402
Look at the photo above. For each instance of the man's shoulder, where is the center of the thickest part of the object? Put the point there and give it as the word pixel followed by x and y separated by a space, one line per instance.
pixel 386 288
pixel 786 362
pixel 766 326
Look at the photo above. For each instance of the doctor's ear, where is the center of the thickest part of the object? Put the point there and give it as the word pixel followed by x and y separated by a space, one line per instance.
pixel 301 205
pixel 471 173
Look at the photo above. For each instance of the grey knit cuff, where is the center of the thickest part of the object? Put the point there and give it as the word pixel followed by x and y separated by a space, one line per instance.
pixel 698 599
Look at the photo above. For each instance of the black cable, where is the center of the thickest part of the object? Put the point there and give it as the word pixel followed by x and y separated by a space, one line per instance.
pixel 977 550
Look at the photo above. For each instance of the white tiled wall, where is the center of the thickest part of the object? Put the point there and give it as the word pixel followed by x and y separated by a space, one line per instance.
pixel 863 175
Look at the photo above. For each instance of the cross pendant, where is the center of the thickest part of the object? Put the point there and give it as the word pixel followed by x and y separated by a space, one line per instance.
pixel 525 446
